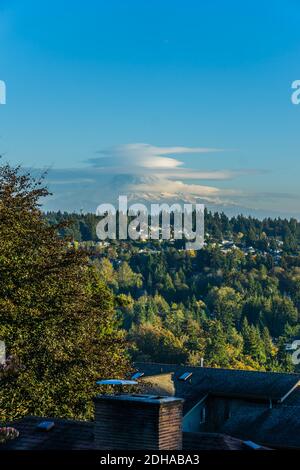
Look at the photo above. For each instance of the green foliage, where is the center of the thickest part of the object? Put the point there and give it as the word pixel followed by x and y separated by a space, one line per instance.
pixel 234 303
pixel 157 344
pixel 127 277
pixel 56 314
pixel 226 304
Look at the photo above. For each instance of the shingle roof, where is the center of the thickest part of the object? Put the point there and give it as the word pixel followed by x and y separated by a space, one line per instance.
pixel 276 427
pixel 65 435
pixel 213 441
pixel 223 382
pixel 78 435
pixel 293 399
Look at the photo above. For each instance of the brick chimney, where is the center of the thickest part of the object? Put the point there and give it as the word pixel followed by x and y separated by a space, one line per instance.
pixel 138 422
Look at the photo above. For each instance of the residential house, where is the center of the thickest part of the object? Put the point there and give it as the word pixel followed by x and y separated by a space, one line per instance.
pixel 224 400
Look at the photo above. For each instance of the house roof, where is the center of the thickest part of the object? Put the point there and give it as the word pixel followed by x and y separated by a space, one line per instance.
pixel 65 435
pixel 214 441
pixel 276 427
pixel 79 435
pixel 246 384
pixel 293 399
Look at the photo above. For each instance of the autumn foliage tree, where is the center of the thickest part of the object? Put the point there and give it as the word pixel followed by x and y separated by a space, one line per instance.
pixel 56 315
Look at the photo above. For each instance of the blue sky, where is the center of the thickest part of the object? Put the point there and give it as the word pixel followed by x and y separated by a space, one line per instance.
pixel 89 82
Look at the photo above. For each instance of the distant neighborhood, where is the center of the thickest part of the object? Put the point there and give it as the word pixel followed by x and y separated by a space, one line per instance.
pixel 245 281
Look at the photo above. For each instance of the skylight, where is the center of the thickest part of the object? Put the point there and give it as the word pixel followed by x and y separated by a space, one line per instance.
pixel 185 376
pixel 137 375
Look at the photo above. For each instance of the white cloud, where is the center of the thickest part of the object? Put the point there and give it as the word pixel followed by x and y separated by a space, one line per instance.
pixel 183 173
pixel 140 155
pixel 143 172
pixel 165 188
pixel 171 187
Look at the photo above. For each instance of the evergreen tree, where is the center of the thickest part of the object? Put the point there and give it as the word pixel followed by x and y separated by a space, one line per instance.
pixel 56 316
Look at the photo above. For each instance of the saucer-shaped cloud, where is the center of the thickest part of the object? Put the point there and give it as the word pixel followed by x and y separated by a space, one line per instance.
pixel 146 156
pixel 143 172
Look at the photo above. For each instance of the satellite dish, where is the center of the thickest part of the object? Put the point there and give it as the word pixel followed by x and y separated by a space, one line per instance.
pixel 116 382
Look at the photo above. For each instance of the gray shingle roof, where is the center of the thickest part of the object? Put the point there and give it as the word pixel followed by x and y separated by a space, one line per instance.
pixel 213 441
pixel 276 427
pixel 78 435
pixel 293 399
pixel 223 382
pixel 65 435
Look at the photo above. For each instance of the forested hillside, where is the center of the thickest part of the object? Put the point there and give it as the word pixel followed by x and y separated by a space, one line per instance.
pixel 234 303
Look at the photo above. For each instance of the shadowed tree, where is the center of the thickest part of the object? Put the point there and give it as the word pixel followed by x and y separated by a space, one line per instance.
pixel 56 316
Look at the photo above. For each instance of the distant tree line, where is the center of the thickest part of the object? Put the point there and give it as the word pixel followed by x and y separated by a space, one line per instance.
pixel 234 307
pixel 260 234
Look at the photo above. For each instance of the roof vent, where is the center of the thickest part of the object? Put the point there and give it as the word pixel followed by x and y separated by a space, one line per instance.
pixel 45 425
pixel 187 375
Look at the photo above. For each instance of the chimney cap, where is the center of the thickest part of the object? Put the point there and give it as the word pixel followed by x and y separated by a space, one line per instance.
pixel 140 398
pixel 116 382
